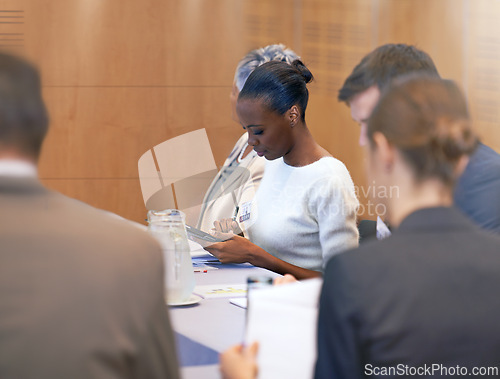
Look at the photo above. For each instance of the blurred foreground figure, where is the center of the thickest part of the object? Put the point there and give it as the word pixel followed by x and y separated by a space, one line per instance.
pixel 424 295
pixel 81 291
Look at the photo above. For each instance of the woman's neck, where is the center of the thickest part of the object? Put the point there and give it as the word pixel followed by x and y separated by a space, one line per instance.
pixel 305 150
pixel 410 198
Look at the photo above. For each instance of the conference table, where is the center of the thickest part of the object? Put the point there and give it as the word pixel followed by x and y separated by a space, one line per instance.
pixel 205 329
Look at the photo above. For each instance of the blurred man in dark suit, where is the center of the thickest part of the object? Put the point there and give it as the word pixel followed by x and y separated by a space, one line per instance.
pixel 81 291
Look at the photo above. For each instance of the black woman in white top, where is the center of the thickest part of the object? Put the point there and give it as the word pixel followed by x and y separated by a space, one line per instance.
pixel 304 211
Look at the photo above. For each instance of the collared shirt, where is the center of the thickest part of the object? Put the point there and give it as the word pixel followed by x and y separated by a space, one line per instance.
pixel 17 168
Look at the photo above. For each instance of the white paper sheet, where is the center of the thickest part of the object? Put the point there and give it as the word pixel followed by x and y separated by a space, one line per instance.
pixel 283 320
pixel 215 291
pixel 197 250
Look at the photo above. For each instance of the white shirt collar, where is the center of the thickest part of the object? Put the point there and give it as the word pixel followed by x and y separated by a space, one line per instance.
pixel 17 168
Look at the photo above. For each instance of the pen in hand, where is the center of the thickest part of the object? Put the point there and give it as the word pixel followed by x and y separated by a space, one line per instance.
pixel 236 212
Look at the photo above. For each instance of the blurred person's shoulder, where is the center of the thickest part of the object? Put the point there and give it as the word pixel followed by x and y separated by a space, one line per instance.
pixel 98 227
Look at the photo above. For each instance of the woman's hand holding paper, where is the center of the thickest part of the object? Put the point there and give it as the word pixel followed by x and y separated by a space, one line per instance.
pixel 236 249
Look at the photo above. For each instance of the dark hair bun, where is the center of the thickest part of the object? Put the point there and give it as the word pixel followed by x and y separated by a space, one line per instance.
pixel 280 85
pixel 452 139
pixel 303 70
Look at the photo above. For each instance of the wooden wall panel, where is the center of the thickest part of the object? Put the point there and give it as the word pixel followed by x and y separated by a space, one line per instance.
pixel 98 134
pixel 120 77
pixel 205 42
pixel 483 68
pixel 335 36
pixel 462 38
pixel 100 43
pixel 12 26
pixel 101 132
pixel 433 26
pixel 137 43
pixel 192 108
pixel 269 22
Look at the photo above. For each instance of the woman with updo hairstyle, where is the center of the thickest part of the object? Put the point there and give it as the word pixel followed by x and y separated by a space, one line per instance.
pixel 240 176
pixel 304 211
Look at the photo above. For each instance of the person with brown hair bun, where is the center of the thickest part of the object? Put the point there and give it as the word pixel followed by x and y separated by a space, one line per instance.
pixel 424 295
pixel 304 211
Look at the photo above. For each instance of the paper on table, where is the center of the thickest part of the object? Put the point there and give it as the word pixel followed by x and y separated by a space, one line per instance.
pixel 212 291
pixel 197 250
pixel 283 320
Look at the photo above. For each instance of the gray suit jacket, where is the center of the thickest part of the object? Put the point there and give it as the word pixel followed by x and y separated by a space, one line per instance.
pixel 81 293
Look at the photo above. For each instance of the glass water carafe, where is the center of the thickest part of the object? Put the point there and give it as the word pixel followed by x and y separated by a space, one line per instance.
pixel 168 228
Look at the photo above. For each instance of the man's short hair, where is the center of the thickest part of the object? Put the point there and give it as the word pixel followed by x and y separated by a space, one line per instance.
pixel 382 65
pixel 23 116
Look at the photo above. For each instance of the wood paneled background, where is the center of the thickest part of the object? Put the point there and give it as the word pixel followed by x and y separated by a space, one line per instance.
pixel 123 76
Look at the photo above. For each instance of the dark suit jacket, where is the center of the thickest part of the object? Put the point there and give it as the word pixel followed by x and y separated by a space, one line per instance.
pixel 429 294
pixel 81 293
pixel 477 193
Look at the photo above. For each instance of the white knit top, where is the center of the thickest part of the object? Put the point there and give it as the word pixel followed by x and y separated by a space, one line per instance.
pixel 303 215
